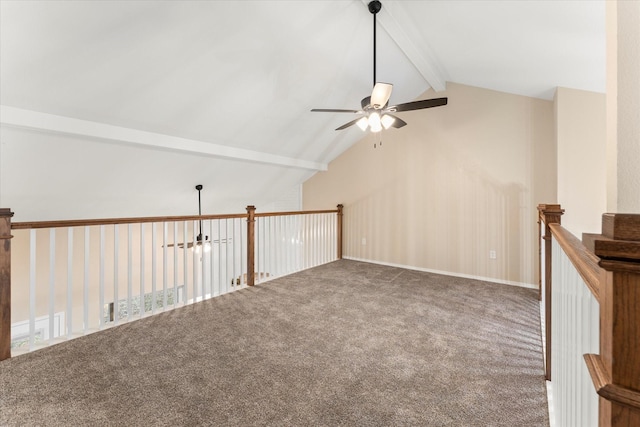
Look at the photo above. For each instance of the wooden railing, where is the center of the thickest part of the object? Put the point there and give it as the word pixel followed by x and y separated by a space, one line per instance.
pixel 547 215
pixel 609 265
pixel 304 238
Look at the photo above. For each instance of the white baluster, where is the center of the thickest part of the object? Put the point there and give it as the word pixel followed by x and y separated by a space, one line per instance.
pixel 129 271
pixel 32 288
pixel 52 280
pixel 175 263
pixel 154 266
pixel 87 258
pixel 101 278
pixel 142 270
pixel 185 263
pixel 69 281
pixel 116 247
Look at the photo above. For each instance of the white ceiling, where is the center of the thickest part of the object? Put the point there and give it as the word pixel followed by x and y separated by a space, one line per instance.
pixel 219 92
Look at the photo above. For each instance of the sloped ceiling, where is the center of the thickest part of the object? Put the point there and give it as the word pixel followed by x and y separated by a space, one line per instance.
pixel 118 108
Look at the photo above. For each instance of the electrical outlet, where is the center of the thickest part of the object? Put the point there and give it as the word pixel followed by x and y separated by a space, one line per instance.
pixel 364 240
pixel 492 254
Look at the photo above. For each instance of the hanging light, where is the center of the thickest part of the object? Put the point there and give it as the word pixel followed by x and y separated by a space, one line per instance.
pixel 206 244
pixel 387 121
pixel 363 123
pixel 374 122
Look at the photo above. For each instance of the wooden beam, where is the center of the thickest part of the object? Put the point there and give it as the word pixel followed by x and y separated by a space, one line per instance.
pixel 27 119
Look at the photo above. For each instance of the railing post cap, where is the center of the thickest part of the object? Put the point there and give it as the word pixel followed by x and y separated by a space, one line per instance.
pixel 618 247
pixel 547 207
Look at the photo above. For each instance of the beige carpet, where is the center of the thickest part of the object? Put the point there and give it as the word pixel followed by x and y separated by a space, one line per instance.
pixel 344 344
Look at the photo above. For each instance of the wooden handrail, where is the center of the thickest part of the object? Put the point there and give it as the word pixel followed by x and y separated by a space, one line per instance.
pixel 138 220
pixel 116 221
pixel 295 213
pixel 585 262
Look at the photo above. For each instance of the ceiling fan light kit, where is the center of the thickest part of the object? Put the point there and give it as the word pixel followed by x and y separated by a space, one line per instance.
pixel 375 108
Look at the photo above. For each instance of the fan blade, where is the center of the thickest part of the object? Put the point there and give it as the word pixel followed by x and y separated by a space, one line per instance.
pixel 380 95
pixel 351 123
pixel 365 102
pixel 398 122
pixel 333 110
pixel 419 105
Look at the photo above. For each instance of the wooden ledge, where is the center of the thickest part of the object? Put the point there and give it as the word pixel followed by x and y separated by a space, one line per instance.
pixel 602 383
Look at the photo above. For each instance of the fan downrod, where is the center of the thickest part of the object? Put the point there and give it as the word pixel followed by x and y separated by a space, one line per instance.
pixel 374 8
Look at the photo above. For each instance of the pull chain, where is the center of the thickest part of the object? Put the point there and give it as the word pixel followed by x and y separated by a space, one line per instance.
pixel 379 142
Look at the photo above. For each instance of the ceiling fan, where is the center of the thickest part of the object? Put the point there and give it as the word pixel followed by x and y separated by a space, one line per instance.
pixel 199 240
pixel 376 113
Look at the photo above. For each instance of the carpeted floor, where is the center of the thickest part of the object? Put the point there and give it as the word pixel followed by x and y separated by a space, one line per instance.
pixel 344 344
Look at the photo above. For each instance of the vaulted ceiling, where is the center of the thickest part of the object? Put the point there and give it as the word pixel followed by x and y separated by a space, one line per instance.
pixel 118 108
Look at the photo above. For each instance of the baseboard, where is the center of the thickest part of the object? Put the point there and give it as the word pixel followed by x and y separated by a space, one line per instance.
pixel 447 273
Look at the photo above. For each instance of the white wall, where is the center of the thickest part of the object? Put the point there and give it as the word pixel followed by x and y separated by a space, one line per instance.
pixel 52 176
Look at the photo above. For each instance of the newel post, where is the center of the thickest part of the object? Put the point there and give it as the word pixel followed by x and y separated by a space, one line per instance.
pixel 340 231
pixel 5 283
pixel 251 253
pixel 616 370
pixel 549 214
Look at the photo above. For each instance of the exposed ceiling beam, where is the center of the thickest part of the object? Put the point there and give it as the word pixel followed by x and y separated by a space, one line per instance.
pixel 421 58
pixel 27 119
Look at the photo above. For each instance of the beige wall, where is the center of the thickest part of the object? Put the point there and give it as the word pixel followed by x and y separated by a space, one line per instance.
pixel 628 106
pixel 455 183
pixel 611 9
pixel 582 169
